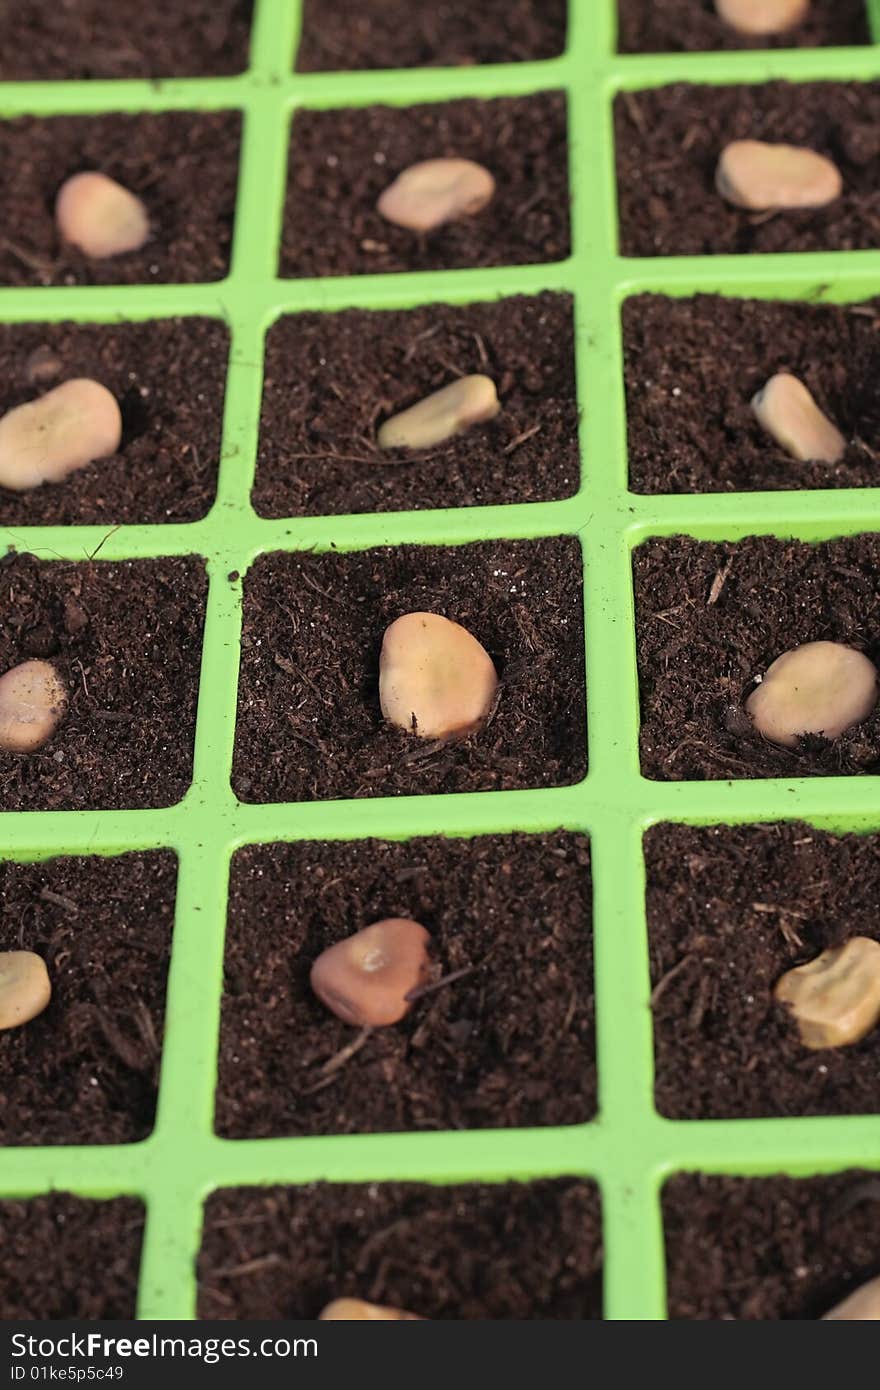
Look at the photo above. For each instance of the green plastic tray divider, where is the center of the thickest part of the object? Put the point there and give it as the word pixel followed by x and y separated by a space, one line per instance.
pixel 629 1150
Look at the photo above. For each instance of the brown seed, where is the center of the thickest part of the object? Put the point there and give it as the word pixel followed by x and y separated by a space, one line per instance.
pixel 863 1305
pixel 787 411
pixel 762 16
pixel 835 999
pixel 762 177
pixel 365 978
pixel 437 191
pixel 24 987
pixel 68 428
pixel 100 217
pixel 355 1310
pixel 468 401
pixel 435 679
pixel 32 703
pixel 820 688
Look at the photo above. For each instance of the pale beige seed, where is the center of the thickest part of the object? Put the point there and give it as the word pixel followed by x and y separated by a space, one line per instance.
pixel 100 217
pixel 365 979
pixel 356 1310
pixel 863 1305
pixel 762 177
pixel 435 679
pixel 469 401
pixel 24 987
pixel 68 428
pixel 787 411
pixel 835 999
pixel 820 688
pixel 437 191
pixel 762 16
pixel 33 700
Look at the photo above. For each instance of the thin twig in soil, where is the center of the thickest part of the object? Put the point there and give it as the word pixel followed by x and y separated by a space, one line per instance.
pixel 57 900
pixel 521 439
pixel 328 1070
pixel 444 980
pixel 666 980
pixel 719 582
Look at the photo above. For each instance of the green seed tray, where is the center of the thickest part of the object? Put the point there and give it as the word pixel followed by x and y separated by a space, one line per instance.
pixel 629 1149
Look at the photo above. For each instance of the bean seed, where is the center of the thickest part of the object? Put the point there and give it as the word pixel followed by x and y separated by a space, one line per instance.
pixel 68 428
pixel 100 217
pixel 24 987
pixel 435 679
pixel 468 401
pixel 33 700
pixel 820 688
pixel 365 978
pixel 355 1310
pixel 762 16
pixel 787 411
pixel 863 1305
pixel 437 191
pixel 835 999
pixel 762 177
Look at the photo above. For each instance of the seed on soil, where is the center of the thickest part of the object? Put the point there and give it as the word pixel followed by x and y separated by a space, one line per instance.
pixel 32 703
pixel 820 688
pixel 356 1310
pixel 24 987
pixel 762 178
pixel 435 679
pixel 861 1306
pixel 365 979
pixel 100 217
pixel 758 17
pixel 44 440
pixel 469 401
pixel 787 411
pixel 428 195
pixel 835 999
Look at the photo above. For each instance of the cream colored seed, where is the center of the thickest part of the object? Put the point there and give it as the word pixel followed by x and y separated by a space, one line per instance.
pixel 32 704
pixel 24 987
pixel 356 1310
pixel 863 1305
pixel 835 999
pixel 435 679
pixel 437 191
pixel 787 411
pixel 469 401
pixel 68 428
pixel 365 979
pixel 762 16
pixel 820 688
pixel 100 217
pixel 761 177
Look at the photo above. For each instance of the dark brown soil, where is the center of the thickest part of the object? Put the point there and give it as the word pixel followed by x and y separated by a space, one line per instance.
pixel 116 38
pixel 509 1044
pixel 126 638
pixel 341 161
pixel 693 366
pixel 770 897
pixel 675 26
pixel 669 141
pixel 86 1070
pixel 332 379
pixel 765 1249
pixel 503 1252
pixel 67 1257
pixel 698 659
pixel 309 723
pixel 398 34
pixel 184 166
pixel 168 377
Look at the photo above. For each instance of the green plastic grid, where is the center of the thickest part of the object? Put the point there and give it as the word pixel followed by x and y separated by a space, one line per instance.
pixel 629 1149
